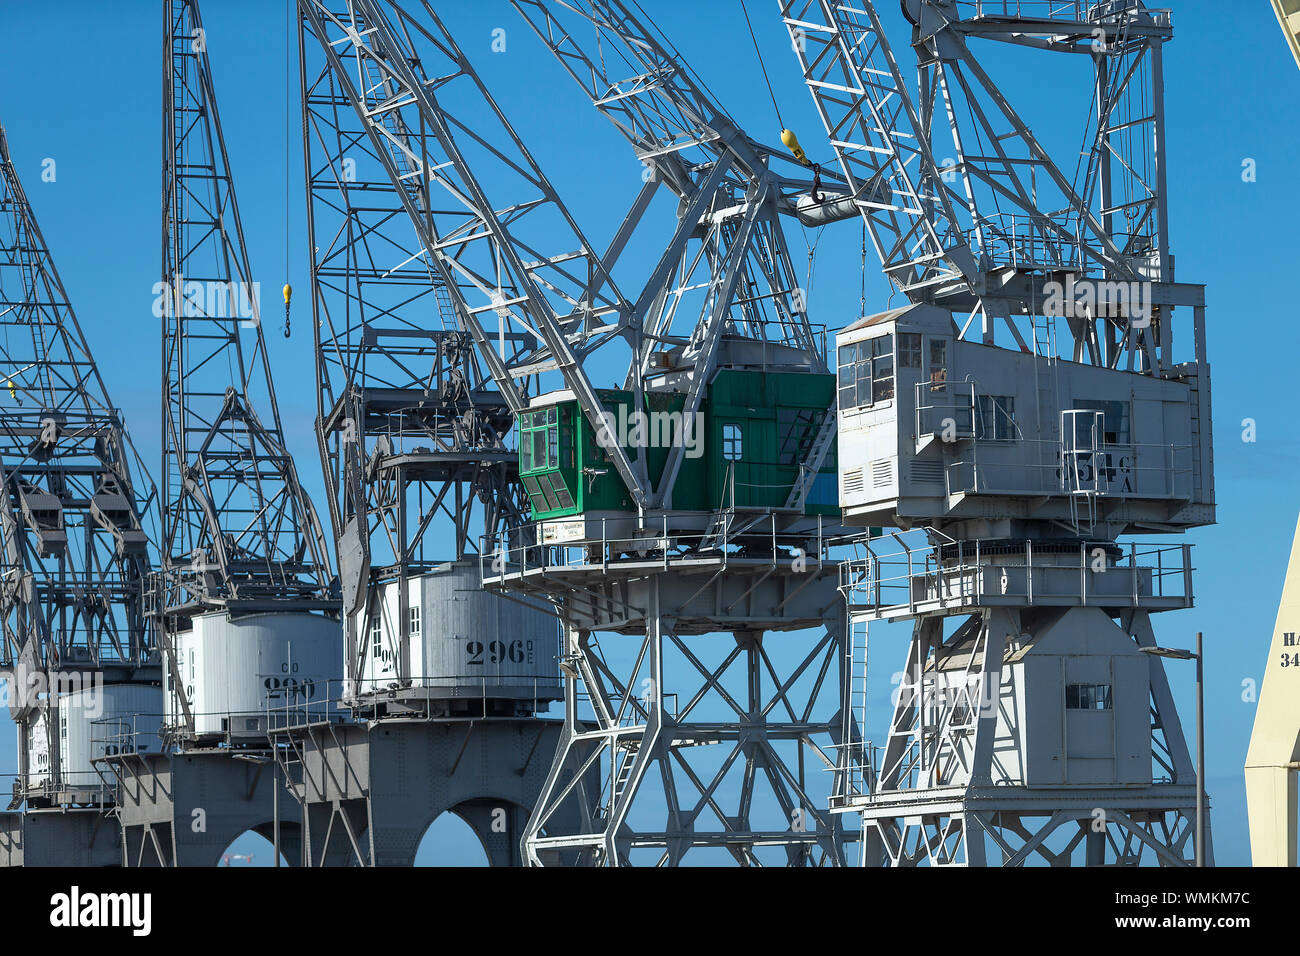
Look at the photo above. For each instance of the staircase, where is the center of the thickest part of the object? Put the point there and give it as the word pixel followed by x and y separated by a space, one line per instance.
pixel 812 464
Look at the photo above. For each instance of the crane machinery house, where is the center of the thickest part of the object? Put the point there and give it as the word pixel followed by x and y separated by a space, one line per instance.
pixel 743 450
pixel 935 429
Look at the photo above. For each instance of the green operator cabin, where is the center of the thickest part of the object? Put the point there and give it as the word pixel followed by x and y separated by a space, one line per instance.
pixel 757 428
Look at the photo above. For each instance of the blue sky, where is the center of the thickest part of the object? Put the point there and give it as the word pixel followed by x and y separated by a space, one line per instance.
pixel 79 84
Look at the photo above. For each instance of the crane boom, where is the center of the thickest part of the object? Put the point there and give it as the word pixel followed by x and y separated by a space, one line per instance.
pixel 397 70
pixel 731 198
pixel 238 529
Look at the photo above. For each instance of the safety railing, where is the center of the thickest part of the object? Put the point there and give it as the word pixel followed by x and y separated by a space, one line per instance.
pixel 855 776
pixel 919 571
pixel 125 734
pixel 1129 470
pixel 1078 11
pixel 783 333
pixel 946 410
pixel 340 703
pixel 756 539
pixel 88 787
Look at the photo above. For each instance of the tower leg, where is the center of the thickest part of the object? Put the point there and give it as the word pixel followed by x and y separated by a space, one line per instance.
pixel 692 756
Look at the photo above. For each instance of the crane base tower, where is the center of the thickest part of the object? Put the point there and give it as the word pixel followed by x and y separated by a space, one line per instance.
pixel 702 746
pixel 369 790
pixel 185 809
pixel 59 837
pixel 1020 730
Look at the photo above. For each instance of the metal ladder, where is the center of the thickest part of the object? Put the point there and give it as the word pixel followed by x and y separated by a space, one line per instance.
pixel 414 184
pixel 625 769
pixel 854 762
pixel 1045 370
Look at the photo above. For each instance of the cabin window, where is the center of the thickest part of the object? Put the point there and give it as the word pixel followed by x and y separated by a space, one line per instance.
pixel 539 440
pixel 1115 428
pixel 566 446
pixel 866 372
pixel 1087 697
pixel 732 442
pixel 882 368
pixel 376 636
pixel 558 492
pixel 909 349
pixel 413 617
pixel 848 376
pixel 995 418
pixel 938 364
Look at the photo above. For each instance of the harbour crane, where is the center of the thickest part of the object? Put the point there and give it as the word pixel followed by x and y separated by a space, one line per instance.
pixel 245 603
pixel 78 519
pixel 650 540
pixel 1274 753
pixel 245 565
pixel 451 680
pixel 1027 407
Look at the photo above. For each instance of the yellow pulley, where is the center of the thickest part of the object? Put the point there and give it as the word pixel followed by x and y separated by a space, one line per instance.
pixel 792 144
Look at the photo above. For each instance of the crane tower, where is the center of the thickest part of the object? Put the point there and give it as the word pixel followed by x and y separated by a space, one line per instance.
pixel 448 679
pixel 246 608
pixel 1032 402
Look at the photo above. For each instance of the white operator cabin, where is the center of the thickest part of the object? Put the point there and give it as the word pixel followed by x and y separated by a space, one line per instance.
pixel 935 429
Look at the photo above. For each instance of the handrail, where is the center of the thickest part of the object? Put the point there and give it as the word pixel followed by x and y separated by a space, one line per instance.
pixel 499 555
pixel 875 582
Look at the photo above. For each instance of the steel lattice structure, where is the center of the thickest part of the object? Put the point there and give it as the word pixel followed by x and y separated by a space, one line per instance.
pixel 411 426
pixel 538 299
pixel 78 515
pixel 238 530
pixel 978 215
pixel 972 212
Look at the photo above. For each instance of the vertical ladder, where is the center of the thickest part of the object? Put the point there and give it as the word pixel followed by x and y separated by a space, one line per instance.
pixel 857 779
pixel 624 770
pixel 1045 370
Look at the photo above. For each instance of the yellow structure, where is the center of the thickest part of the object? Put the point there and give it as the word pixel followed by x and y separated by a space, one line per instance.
pixel 1271 761
pixel 1288 14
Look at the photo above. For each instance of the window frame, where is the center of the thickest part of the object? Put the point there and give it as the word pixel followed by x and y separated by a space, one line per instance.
pixel 918 351
pixel 1089 697
pixel 866 372
pixel 1004 426
pixel 728 438
pixel 937 368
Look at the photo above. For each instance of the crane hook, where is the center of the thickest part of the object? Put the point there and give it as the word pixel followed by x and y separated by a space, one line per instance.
pixel 288 294
pixel 791 142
